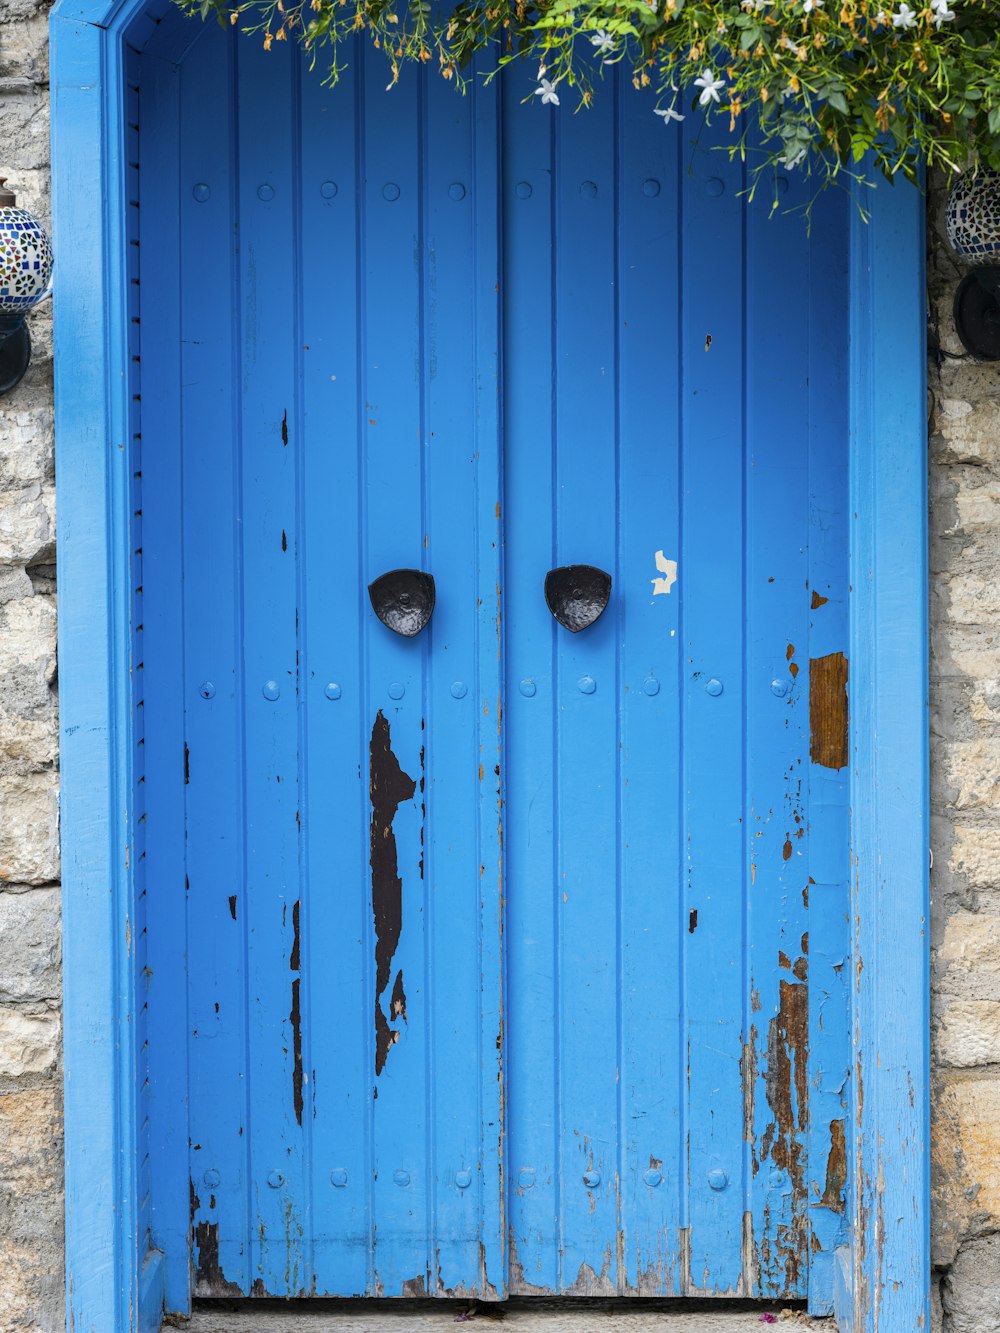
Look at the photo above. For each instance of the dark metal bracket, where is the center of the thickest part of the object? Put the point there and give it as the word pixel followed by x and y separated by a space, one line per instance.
pixel 15 351
pixel 577 594
pixel 977 313
pixel 403 599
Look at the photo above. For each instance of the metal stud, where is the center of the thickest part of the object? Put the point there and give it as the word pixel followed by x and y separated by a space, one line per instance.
pixel 328 189
pixel 270 690
pixel 651 188
pixel 459 690
pixel 526 1177
pixel 779 687
pixel 338 1177
pixel 206 689
pixel 588 189
pixel 651 685
pixel 265 193
pixel 592 1179
pixel 276 1180
pixel 390 191
pixel 457 190
pixel 396 690
pixel 717 1178
pixel 523 190
pixel 652 1177
pixel 401 1177
pixel 332 690
pixel 528 687
pixel 713 687
pixel 211 1178
pixel 201 192
pixel 714 187
pixel 587 684
pixel 463 1179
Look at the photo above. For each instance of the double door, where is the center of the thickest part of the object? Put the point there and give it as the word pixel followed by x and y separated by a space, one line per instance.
pixel 514 947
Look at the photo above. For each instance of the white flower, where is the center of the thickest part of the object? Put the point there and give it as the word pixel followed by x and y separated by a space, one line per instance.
pixel 786 93
pixel 942 14
pixel 791 160
pixel 810 5
pixel 603 40
pixel 547 92
pixel 905 18
pixel 709 86
pixel 668 114
pixel 881 17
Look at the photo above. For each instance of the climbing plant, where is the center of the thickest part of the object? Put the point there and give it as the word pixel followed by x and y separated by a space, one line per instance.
pixel 826 80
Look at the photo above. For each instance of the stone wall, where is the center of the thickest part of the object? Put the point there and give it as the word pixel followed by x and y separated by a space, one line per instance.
pixel 965 698
pixel 965 778
pixel 31 1161
pixel 31 1229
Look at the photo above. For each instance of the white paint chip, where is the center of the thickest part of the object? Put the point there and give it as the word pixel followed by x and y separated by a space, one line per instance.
pixel 668 568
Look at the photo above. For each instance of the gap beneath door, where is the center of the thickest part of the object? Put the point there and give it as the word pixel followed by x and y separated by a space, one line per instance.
pixel 519 1316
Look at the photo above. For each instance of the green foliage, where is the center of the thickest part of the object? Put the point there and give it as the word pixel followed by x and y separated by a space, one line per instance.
pixel 829 80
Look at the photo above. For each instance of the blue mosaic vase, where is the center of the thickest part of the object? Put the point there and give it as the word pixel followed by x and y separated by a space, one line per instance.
pixel 25 258
pixel 973 217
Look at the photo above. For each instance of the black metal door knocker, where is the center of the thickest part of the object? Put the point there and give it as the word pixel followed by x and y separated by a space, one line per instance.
pixel 403 599
pixel 577 594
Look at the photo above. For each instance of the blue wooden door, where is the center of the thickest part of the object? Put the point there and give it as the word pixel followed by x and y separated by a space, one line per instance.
pixel 340 404
pixel 514 955
pixel 676 837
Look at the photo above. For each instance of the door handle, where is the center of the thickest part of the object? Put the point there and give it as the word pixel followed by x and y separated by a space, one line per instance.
pixel 577 594
pixel 403 599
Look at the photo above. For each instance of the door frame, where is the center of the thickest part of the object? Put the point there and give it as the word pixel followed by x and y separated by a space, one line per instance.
pixel 115 1276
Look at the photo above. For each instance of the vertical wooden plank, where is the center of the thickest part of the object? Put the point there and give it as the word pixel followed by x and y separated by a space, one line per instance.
pixel 714 710
pixel 460 444
pixel 271 441
pixel 653 1181
pixel 213 759
pixel 829 815
pixel 163 616
pixel 393 525
pixel 494 1275
pixel 780 824
pixel 586 693
pixel 531 938
pixel 335 800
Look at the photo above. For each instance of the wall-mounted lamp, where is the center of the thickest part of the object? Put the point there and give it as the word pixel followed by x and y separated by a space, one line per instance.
pixel 973 221
pixel 25 279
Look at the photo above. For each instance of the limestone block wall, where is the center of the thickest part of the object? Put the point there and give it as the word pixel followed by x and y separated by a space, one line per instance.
pixel 964 417
pixel 964 431
pixel 31 1229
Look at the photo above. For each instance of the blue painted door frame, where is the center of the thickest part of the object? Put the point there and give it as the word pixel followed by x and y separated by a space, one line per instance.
pixel 115 1275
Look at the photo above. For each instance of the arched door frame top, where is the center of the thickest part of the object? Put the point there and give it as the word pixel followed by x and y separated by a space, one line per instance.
pixel 115 1275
